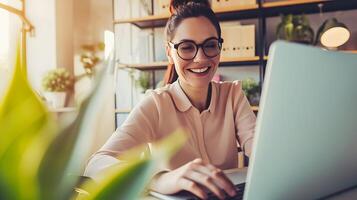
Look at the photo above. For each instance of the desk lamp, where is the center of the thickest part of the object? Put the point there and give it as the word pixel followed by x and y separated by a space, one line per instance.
pixel 333 34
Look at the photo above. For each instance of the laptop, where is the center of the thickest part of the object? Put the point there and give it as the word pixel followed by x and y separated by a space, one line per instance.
pixel 306 134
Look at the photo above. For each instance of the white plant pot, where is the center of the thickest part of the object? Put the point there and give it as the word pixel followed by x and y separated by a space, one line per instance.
pixel 55 99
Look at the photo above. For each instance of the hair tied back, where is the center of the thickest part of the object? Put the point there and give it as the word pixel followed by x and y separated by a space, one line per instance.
pixel 176 4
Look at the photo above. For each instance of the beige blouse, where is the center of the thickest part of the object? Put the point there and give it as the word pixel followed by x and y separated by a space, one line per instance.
pixel 212 133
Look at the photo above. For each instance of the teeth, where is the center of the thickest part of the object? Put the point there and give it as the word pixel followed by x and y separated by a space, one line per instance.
pixel 200 70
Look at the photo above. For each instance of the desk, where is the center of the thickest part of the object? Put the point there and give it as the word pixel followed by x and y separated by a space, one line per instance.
pixel 348 195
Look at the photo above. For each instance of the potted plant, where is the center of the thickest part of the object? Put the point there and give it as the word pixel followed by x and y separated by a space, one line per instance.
pixel 143 81
pixel 56 84
pixel 252 90
pixel 295 28
pixel 89 57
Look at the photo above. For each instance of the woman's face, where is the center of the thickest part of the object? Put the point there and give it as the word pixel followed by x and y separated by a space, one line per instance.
pixel 198 71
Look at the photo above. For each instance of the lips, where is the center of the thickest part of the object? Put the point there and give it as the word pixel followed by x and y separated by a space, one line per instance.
pixel 199 70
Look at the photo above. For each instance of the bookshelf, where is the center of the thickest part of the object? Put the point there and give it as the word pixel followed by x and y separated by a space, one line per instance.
pixel 261 11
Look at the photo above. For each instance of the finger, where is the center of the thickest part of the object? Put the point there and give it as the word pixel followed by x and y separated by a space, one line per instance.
pixel 192 187
pixel 221 179
pixel 205 181
pixel 198 161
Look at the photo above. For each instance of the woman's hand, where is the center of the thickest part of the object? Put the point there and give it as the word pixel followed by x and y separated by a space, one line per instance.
pixel 194 177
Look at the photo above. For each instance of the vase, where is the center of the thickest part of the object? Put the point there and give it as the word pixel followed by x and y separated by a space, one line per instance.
pixel 55 99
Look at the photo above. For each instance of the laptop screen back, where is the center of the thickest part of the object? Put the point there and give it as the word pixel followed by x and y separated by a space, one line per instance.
pixel 306 134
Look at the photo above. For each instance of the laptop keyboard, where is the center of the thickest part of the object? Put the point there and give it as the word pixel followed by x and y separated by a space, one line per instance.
pixel 239 196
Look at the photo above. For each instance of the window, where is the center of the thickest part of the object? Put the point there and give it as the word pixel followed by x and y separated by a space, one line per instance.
pixel 4 49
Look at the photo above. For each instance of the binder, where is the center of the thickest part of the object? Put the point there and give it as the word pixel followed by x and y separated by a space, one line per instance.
pixel 159 45
pixel 216 4
pixel 143 51
pixel 231 3
pixel 163 7
pixel 121 8
pixel 248 41
pixel 123 54
pixel 141 8
pixel 232 41
pixel 239 41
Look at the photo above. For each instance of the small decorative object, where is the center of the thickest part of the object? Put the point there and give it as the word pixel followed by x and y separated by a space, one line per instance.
pixel 56 83
pixel 89 57
pixel 295 28
pixel 143 81
pixel 251 90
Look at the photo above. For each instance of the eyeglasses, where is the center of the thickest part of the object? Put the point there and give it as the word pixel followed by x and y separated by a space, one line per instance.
pixel 187 50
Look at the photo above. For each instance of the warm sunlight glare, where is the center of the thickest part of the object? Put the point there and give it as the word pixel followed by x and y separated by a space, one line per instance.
pixel 4 49
pixel 4 38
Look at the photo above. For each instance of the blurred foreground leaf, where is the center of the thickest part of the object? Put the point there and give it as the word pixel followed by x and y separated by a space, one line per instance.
pixel 60 167
pixel 128 181
pixel 39 160
pixel 25 131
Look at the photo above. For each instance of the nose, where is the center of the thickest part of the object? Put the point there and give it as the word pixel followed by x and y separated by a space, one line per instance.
pixel 200 56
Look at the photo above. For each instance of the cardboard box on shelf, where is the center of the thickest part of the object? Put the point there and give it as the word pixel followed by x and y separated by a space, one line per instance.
pixel 143 47
pixel 159 45
pixel 239 41
pixel 140 8
pixel 229 3
pixel 232 41
pixel 216 4
pixel 248 41
pixel 163 7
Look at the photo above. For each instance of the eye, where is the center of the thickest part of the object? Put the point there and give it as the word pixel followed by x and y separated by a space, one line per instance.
pixel 211 44
pixel 187 47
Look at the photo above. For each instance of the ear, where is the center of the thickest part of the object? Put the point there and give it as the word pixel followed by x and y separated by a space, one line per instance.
pixel 168 54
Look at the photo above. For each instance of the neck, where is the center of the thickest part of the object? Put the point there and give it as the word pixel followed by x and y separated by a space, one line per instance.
pixel 198 96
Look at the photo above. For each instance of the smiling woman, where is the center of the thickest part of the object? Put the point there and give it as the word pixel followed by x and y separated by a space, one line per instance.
pixel 213 114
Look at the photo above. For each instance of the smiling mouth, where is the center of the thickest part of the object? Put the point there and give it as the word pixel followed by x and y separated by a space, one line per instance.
pixel 200 70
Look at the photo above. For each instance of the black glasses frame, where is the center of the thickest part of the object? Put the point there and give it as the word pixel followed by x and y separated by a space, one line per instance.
pixel 176 46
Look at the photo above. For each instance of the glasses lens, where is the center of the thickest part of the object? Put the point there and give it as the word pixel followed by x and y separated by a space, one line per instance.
pixel 212 48
pixel 187 50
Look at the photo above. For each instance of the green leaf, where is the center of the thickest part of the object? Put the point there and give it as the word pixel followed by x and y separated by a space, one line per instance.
pixel 60 167
pixel 127 181
pixel 25 127
pixel 123 182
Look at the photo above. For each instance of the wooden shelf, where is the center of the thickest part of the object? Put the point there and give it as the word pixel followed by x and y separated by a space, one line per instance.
pixel 248 11
pixel 255 108
pixel 268 9
pixel 272 9
pixel 145 22
pixel 235 8
pixel 149 66
pixel 350 51
pixel 290 3
pixel 122 111
pixel 224 62
pixel 241 59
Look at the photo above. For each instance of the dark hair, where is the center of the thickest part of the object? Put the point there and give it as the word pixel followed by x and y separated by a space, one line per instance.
pixel 180 10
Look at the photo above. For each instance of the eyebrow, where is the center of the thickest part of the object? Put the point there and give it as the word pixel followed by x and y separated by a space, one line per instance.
pixel 188 40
